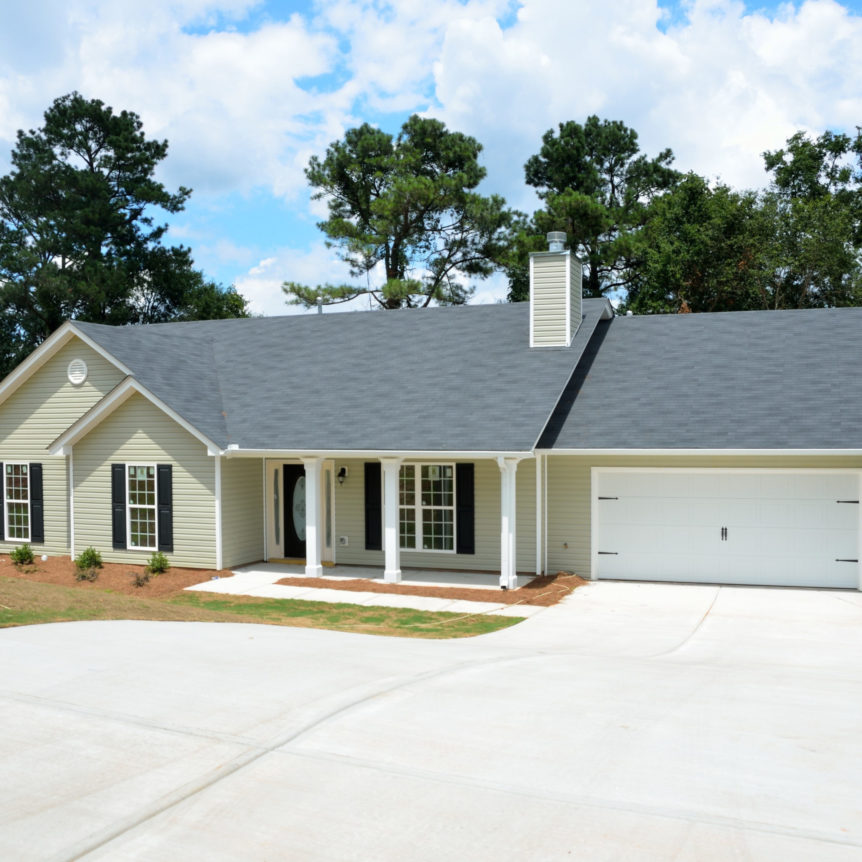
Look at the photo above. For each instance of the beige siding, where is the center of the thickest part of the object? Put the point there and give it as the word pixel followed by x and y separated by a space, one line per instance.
pixel 242 511
pixel 576 291
pixel 569 495
pixel 139 432
pixel 548 298
pixel 36 414
pixel 350 522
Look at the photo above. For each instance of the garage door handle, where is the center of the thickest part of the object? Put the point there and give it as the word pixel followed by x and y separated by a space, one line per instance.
pixel 848 501
pixel 724 534
pixel 608 553
pixel 840 560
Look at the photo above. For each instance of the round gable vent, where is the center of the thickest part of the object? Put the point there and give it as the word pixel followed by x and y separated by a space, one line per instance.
pixel 77 372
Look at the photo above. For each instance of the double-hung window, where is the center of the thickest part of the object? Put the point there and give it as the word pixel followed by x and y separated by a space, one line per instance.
pixel 427 507
pixel 16 499
pixel 141 506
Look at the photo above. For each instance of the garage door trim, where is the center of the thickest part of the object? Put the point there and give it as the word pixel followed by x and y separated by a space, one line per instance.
pixel 595 472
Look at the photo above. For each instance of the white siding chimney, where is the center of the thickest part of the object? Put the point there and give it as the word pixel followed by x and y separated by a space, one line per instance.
pixel 555 294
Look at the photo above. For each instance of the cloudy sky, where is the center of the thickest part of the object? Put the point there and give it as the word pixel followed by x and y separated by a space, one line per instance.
pixel 246 91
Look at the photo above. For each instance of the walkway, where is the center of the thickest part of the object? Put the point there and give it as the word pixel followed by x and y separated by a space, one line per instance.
pixel 260 580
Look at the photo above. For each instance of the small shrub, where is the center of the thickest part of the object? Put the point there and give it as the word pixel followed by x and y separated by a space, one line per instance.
pixel 22 556
pixel 141 579
pixel 157 564
pixel 86 574
pixel 89 558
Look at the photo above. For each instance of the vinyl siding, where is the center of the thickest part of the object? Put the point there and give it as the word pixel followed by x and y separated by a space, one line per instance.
pixel 36 414
pixel 139 432
pixel 350 522
pixel 242 511
pixel 569 496
pixel 576 291
pixel 548 298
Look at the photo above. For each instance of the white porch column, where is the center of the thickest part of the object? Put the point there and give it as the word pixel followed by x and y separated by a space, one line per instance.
pixel 508 571
pixel 313 531
pixel 391 520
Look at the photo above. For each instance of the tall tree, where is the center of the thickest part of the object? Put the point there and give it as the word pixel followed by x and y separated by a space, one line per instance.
pixel 407 204
pixel 815 201
pixel 597 186
pixel 703 249
pixel 77 236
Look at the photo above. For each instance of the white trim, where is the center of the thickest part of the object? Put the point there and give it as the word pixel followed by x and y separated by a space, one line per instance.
pixel 596 471
pixel 704 452
pixel 567 265
pixel 594 524
pixel 50 346
pixel 116 397
pixel 532 305
pixel 71 457
pixel 6 536
pixel 508 526
pixel 429 455
pixel 219 539
pixel 539 518
pixel 264 509
pixel 154 507
pixel 545 514
pixel 418 508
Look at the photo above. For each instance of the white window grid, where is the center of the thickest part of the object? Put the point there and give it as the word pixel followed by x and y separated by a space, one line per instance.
pixel 141 508
pixel 16 501
pixel 424 515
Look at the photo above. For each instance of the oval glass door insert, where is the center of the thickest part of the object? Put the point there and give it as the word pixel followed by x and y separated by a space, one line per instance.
pixel 299 507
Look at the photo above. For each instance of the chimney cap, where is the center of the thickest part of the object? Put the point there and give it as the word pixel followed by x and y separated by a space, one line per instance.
pixel 556 240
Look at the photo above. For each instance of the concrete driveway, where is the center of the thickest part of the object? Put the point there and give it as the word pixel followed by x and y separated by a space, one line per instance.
pixel 633 722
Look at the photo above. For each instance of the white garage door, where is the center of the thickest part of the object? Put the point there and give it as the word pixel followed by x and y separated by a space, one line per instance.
pixel 789 529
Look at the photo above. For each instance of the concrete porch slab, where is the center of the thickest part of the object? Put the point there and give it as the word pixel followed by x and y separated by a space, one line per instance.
pixel 260 581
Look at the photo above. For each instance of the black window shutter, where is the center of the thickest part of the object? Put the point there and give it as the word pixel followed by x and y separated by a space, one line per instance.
pixel 118 506
pixel 37 505
pixel 2 503
pixel 373 507
pixel 464 509
pixel 165 492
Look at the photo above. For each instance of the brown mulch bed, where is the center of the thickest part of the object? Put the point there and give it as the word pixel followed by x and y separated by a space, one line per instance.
pixel 545 591
pixel 117 577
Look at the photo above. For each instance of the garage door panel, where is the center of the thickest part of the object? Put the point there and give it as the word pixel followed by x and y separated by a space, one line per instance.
pixel 780 528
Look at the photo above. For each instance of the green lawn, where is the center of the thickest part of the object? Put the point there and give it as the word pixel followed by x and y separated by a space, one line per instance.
pixel 25 602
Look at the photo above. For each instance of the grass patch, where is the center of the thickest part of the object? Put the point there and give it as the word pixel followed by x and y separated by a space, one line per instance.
pixel 25 602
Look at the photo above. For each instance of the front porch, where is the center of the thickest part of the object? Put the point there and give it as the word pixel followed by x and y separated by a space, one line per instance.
pixel 387 518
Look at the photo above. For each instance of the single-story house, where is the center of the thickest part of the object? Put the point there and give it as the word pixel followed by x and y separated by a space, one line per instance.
pixel 533 437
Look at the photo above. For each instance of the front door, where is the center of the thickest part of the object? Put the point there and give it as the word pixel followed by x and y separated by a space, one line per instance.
pixel 294 511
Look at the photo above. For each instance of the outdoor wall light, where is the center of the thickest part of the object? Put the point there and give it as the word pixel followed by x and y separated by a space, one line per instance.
pixel 341 475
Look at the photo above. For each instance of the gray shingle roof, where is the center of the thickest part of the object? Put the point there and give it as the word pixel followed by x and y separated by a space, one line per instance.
pixel 437 379
pixel 738 380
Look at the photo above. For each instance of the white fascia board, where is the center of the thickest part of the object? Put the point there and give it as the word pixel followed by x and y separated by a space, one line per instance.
pixel 117 396
pixel 51 345
pixel 404 454
pixel 709 452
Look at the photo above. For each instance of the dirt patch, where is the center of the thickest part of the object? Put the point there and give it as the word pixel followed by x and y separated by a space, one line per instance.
pixel 545 591
pixel 116 577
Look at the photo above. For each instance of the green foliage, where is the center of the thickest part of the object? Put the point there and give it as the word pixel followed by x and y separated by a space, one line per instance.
pixel 86 574
pixel 141 579
pixel 22 556
pixel 89 558
pixel 77 232
pixel 703 249
pixel 408 205
pixel 598 188
pixel 157 563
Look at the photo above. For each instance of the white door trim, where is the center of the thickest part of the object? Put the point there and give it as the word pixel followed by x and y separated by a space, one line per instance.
pixel 595 472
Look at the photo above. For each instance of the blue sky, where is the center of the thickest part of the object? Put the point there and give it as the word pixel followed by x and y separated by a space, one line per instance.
pixel 247 91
